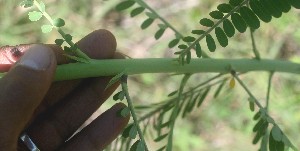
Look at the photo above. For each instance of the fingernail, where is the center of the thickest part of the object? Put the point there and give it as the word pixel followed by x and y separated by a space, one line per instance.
pixel 38 57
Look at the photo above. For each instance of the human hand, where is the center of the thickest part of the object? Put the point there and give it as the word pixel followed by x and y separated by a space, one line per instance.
pixel 50 113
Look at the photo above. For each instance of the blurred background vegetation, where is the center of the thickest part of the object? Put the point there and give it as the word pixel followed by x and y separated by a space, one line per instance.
pixel 224 123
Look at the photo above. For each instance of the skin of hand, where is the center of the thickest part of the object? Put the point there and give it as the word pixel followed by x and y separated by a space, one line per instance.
pixel 51 112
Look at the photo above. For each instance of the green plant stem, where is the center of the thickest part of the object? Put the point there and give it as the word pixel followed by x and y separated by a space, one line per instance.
pixel 255 51
pixel 130 105
pixel 111 67
pixel 269 90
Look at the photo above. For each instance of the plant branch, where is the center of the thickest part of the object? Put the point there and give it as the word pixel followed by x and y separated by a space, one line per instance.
pixel 111 67
pixel 256 53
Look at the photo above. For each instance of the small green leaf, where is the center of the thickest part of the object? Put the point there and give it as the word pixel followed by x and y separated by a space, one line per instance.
pixel 269 6
pixel 125 5
pixel 172 93
pixel 216 14
pixel 206 22
pixel 189 39
pixel 275 145
pixel 210 43
pixel 151 15
pixel 282 5
pixel 137 11
pixel 182 46
pixel 125 112
pixel 276 133
pixel 173 43
pixel 59 42
pixel 258 125
pixel 58 22
pixel 188 56
pixel 228 28
pixel 162 148
pixel 35 16
pixel 159 33
pixel 219 89
pixel 125 133
pixel 68 37
pixel 119 96
pixel 295 3
pixel 256 138
pixel 161 137
pixel 221 36
pixel 250 18
pixel 198 32
pixel 115 79
pixel 198 50
pixel 26 3
pixel 147 23
pixel 75 58
pixel 235 2
pixel 203 96
pixel 259 10
pixel 133 131
pixel 225 8
pixel 238 22
pixel 46 28
pixel 251 103
pixel 137 146
pixel 42 6
pixel 256 116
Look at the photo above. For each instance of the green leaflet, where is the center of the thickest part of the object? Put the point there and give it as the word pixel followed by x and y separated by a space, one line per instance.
pixel 58 22
pixel 238 22
pixel 216 14
pixel 147 23
pixel 125 5
pixel 228 28
pixel 59 41
pixel 35 15
pixel 276 133
pixel 206 22
pixel 295 3
pixel 211 45
pixel 259 10
pixel 198 32
pixel 137 146
pixel 198 50
pixel 268 5
pixel 173 43
pixel 159 33
pixel 46 28
pixel 221 36
pixel 235 2
pixel 224 8
pixel 203 96
pixel 189 39
pixel 275 145
pixel 249 17
pixel 161 137
pixel 282 5
pixel 137 11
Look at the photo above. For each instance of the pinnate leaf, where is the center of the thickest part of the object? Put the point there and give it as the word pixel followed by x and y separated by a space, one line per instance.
pixel 124 5
pixel 35 16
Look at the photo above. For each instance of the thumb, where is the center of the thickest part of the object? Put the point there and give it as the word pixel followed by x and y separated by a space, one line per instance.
pixel 23 88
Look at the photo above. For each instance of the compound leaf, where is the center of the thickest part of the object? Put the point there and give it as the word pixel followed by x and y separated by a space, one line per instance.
pixel 221 36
